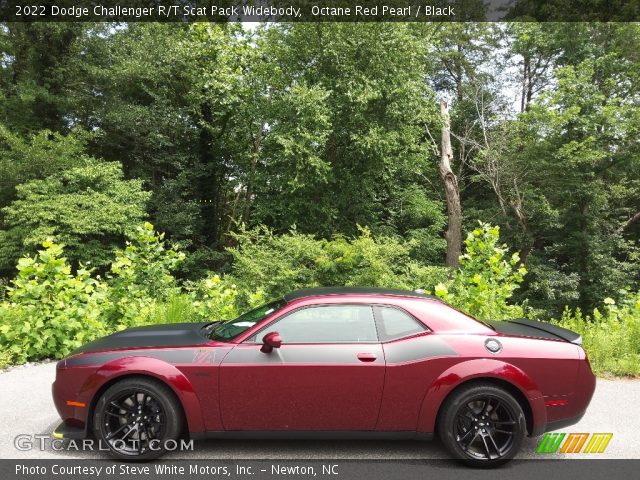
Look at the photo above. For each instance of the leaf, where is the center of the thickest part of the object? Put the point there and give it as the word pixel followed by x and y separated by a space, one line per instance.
pixel 441 290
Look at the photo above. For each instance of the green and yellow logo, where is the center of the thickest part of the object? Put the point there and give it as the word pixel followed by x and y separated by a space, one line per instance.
pixel 574 442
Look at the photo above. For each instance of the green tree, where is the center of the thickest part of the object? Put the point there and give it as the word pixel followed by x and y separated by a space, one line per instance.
pixel 89 207
pixel 564 170
pixel 486 279
pixel 40 75
pixel 346 129
pixel 580 144
pixel 36 156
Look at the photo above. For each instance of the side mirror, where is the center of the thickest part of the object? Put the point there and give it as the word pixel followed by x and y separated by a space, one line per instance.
pixel 270 341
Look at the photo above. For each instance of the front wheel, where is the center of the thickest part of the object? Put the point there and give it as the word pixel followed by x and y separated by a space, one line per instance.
pixel 137 418
pixel 482 425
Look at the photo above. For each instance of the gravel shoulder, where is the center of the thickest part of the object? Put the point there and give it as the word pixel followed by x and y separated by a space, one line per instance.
pixel 26 408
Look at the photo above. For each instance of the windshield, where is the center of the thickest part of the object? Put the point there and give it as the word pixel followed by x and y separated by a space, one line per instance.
pixel 229 330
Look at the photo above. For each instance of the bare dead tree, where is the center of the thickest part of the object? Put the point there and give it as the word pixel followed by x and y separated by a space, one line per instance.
pixel 453 234
pixel 494 163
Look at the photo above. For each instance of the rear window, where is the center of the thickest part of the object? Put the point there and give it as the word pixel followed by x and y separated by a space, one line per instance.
pixel 394 323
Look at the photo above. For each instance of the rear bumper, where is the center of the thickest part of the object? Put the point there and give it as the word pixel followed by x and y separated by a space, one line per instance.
pixel 561 416
pixel 565 422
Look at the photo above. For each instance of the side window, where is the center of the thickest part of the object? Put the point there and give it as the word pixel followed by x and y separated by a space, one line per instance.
pixel 394 323
pixel 328 324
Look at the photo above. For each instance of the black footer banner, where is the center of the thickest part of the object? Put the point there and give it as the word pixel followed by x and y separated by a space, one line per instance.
pixel 582 469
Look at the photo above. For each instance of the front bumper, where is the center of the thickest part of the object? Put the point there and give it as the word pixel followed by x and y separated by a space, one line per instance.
pixel 72 407
pixel 63 431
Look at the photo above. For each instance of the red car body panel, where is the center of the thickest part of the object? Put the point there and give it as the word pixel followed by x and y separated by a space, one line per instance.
pixel 285 394
pixel 395 386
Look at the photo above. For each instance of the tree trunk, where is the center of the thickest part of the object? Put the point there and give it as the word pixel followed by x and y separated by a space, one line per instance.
pixel 628 223
pixel 452 192
pixel 255 154
pixel 525 84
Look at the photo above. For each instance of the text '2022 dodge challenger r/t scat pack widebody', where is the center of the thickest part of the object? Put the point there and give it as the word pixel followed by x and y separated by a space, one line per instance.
pixel 328 363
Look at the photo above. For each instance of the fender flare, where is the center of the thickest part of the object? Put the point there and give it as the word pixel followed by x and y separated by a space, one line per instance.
pixel 149 367
pixel 479 369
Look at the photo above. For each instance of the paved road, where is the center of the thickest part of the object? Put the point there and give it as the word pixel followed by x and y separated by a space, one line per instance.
pixel 26 408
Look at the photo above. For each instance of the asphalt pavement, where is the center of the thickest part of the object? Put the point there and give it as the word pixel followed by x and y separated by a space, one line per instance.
pixel 26 409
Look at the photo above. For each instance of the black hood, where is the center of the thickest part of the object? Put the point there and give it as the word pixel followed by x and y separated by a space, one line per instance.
pixel 169 335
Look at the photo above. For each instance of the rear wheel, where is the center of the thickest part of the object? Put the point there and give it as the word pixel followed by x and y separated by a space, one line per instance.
pixel 136 417
pixel 482 425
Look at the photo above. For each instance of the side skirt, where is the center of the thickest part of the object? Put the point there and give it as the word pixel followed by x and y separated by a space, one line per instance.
pixel 311 435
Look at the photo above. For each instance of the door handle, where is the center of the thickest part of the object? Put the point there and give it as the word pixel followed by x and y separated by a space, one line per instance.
pixel 367 357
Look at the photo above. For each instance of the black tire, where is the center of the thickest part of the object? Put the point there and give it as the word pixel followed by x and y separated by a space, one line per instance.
pixel 482 425
pixel 135 418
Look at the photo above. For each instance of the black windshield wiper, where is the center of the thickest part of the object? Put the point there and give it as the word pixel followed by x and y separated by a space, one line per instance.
pixel 209 327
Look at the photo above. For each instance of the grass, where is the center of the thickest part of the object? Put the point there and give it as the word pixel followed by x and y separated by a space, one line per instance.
pixel 611 338
pixel 176 309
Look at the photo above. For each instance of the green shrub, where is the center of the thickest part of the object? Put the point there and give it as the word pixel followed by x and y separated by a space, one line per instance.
pixel 50 311
pixel 277 264
pixel 610 337
pixel 206 300
pixel 366 261
pixel 6 359
pixel 486 278
pixel 140 276
pixel 214 299
pixel 482 286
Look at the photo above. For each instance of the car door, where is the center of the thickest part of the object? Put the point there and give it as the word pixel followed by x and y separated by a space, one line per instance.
pixel 328 373
pixel 414 358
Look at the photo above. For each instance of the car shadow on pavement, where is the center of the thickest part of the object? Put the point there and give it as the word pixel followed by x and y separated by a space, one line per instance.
pixel 233 449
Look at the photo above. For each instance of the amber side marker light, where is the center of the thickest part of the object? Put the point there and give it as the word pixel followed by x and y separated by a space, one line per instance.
pixel 75 404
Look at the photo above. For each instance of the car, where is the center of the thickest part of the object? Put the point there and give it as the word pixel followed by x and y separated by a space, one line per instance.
pixel 328 363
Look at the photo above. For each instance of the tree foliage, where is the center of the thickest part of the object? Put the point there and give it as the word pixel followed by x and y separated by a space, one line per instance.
pixel 486 279
pixel 278 264
pixel 140 275
pixel 89 207
pixel 325 128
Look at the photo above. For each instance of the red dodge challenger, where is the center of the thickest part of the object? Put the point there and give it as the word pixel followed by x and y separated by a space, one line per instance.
pixel 328 363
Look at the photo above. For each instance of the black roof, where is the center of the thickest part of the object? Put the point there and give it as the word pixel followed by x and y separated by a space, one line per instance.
pixel 310 292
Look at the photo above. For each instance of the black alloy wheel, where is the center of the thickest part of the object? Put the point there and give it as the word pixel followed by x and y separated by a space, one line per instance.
pixel 137 418
pixel 483 425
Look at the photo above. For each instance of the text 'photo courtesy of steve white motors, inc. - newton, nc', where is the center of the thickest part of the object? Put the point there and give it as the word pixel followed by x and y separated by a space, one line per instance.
pixel 193 469
pixel 241 12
